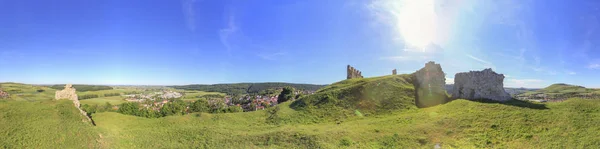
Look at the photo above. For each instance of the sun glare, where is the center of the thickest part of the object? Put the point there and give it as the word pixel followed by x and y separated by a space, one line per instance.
pixel 416 22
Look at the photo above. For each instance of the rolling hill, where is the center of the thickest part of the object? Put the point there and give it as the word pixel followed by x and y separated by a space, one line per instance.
pixel 374 112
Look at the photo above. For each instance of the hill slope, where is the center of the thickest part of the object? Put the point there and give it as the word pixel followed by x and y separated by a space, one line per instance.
pixel 246 88
pixel 45 124
pixel 561 89
pixel 368 95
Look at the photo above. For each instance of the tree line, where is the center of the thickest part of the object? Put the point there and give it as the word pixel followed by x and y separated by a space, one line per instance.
pixel 83 88
pixel 247 88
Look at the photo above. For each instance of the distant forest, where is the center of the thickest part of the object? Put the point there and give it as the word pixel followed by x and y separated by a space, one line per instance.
pixel 83 88
pixel 247 88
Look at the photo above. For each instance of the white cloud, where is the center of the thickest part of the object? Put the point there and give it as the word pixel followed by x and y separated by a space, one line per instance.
pixel 449 80
pixel 483 62
pixel 527 83
pixel 189 14
pixel 407 58
pixel 225 33
pixel 271 56
pixel 416 22
pixel 571 73
pixel 594 66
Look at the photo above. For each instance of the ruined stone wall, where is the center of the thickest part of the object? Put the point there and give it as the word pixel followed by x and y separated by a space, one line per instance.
pixel 3 94
pixel 429 84
pixel 475 85
pixel 394 72
pixel 70 93
pixel 352 73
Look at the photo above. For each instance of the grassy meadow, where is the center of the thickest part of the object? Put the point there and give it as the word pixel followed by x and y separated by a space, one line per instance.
pixel 357 113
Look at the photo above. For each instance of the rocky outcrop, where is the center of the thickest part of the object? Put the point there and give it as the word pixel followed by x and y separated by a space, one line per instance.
pixel 476 85
pixel 70 93
pixel 352 73
pixel 394 72
pixel 3 94
pixel 429 84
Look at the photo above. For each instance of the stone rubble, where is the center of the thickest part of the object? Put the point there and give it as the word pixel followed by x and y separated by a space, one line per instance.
pixel 70 93
pixel 475 85
pixel 353 73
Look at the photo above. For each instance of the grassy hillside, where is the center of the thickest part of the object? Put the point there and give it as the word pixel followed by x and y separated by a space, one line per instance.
pixel 83 88
pixel 246 88
pixel 562 89
pixel 26 92
pixel 458 124
pixel 357 113
pixel 45 124
pixel 367 96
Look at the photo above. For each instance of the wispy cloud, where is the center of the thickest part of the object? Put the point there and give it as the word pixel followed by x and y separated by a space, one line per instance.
pixel 527 83
pixel 483 62
pixel 225 33
pixel 189 14
pixel 406 58
pixel 272 56
pixel 571 72
pixel 594 66
pixel 449 80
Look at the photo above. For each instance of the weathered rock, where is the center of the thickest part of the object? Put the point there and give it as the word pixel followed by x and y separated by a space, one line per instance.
pixel 475 85
pixel 429 84
pixel 4 94
pixel 394 72
pixel 70 93
pixel 352 73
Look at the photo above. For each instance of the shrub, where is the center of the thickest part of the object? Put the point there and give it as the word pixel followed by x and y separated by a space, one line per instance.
pixel 286 94
pixel 88 96
pixel 112 94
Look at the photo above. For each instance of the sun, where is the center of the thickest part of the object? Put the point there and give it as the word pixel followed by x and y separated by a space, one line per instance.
pixel 417 22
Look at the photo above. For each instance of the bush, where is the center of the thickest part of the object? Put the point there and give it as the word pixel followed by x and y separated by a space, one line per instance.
pixel 40 90
pixel 199 106
pixel 286 94
pixel 129 108
pixel 88 96
pixel 112 94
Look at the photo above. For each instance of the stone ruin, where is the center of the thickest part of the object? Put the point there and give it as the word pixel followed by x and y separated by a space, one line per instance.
pixel 476 85
pixel 353 73
pixel 70 93
pixel 394 72
pixel 4 94
pixel 429 84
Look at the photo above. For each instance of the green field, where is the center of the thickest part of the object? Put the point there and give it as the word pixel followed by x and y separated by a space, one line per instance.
pixel 114 100
pixel 357 113
pixel 25 92
pixel 45 124
pixel 195 95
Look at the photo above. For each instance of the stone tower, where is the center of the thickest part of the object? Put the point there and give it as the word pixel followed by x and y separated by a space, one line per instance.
pixel 430 82
pixel 475 85
pixel 352 73
pixel 394 72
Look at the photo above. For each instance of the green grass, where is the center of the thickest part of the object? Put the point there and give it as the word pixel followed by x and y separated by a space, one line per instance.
pixel 45 124
pixel 25 92
pixel 357 113
pixel 114 100
pixel 194 95
pixel 562 89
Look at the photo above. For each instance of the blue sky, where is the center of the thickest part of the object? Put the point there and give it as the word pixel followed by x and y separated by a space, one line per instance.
pixel 164 42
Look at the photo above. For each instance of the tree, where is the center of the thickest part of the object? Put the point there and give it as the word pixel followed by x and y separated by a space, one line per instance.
pixel 200 106
pixel 175 107
pixel 129 108
pixel 234 109
pixel 286 94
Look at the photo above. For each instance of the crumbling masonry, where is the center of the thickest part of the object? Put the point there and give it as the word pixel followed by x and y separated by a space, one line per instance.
pixel 353 73
pixel 70 93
